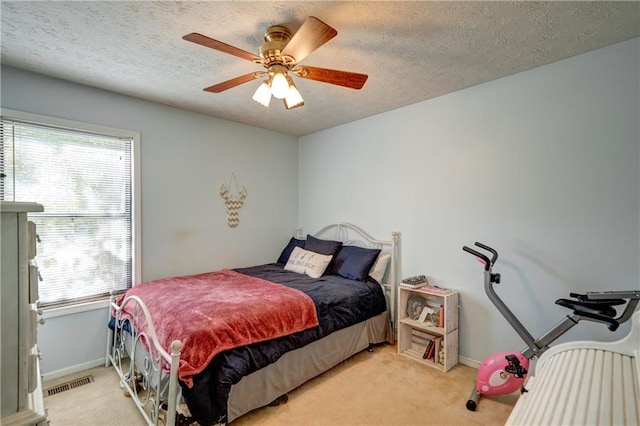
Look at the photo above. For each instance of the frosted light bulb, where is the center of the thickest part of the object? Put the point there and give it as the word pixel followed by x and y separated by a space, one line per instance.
pixel 279 86
pixel 294 98
pixel 263 95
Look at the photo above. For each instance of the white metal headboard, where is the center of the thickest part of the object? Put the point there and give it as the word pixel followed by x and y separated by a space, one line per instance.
pixel 350 234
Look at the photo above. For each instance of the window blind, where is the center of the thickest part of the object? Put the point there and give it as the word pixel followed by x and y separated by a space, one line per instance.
pixel 84 182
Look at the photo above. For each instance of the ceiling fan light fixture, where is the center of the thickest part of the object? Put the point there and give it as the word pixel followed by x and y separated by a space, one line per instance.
pixel 263 94
pixel 280 54
pixel 279 83
pixel 293 98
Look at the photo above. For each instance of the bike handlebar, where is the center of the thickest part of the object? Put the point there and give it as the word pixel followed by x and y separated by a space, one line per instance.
pixel 494 253
pixel 487 263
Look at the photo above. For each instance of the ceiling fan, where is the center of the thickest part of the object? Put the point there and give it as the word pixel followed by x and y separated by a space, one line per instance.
pixel 281 54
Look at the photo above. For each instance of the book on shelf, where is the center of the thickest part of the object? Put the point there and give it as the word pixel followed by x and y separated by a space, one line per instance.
pixel 436 352
pixel 421 336
pixel 428 349
pixel 413 286
pixel 441 317
pixel 431 349
pixel 415 281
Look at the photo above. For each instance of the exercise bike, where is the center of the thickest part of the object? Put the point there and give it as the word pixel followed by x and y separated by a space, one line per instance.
pixel 504 372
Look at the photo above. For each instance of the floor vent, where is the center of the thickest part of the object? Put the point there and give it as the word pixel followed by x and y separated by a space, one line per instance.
pixel 68 385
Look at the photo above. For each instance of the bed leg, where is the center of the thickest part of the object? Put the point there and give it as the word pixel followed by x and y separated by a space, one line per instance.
pixel 370 348
pixel 107 358
pixel 176 345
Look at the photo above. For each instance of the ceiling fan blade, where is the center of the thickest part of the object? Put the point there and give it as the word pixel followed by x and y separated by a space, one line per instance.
pixel 223 47
pixel 312 34
pixel 221 87
pixel 348 79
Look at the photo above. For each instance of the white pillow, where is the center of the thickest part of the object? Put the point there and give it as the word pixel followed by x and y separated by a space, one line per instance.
pixel 379 268
pixel 307 262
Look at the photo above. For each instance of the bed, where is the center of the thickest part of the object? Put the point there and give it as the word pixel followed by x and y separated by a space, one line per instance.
pixel 275 326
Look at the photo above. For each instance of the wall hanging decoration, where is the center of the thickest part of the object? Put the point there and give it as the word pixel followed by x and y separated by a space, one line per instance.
pixel 232 203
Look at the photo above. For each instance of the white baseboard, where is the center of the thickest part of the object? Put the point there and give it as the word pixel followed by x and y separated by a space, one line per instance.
pixel 73 369
pixel 469 362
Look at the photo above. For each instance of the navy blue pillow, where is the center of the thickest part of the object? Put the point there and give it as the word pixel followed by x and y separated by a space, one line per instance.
pixel 354 262
pixel 327 247
pixel 286 253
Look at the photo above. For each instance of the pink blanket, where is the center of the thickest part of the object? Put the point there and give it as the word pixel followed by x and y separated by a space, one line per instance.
pixel 217 311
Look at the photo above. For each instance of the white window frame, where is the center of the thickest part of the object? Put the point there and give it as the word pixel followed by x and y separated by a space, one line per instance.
pixel 136 248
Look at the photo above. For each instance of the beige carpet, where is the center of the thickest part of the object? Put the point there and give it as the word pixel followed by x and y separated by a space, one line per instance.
pixel 379 388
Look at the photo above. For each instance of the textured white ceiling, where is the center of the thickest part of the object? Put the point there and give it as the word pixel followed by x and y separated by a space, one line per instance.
pixel 412 51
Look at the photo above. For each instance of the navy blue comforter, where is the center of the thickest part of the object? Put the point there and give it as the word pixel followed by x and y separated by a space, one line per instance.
pixel 339 302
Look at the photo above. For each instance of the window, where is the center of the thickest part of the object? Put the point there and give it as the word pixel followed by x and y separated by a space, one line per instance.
pixel 84 176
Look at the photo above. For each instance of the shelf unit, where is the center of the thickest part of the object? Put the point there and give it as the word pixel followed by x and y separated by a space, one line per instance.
pixel 413 335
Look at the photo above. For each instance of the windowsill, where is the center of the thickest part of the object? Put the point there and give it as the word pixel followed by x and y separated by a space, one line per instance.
pixel 75 309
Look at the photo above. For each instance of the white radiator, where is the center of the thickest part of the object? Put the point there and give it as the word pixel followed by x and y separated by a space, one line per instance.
pixel 584 383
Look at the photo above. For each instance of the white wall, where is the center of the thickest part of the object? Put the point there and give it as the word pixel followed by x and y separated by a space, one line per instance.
pixel 542 165
pixel 185 157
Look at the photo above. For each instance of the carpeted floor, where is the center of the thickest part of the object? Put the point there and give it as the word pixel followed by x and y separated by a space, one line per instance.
pixel 379 388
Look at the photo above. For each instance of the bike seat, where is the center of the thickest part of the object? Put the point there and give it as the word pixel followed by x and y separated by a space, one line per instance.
pixel 587 307
pixel 583 298
pixel 592 311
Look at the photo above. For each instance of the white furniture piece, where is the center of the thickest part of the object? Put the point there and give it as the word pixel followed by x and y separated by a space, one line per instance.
pixel 22 396
pixel 584 383
pixel 413 335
